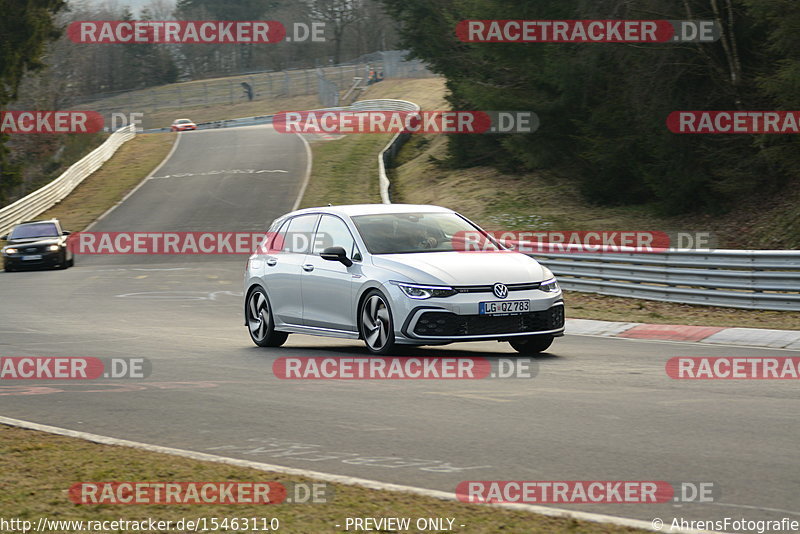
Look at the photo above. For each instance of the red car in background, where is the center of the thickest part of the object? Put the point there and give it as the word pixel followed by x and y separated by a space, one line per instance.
pixel 182 125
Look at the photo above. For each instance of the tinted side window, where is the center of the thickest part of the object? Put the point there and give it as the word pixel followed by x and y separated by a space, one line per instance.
pixel 275 238
pixel 332 232
pixel 298 238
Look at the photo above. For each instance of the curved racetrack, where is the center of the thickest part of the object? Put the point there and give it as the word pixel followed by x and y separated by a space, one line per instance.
pixel 599 409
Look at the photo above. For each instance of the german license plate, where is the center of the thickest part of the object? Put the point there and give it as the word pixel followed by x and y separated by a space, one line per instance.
pixel 504 307
pixel 31 258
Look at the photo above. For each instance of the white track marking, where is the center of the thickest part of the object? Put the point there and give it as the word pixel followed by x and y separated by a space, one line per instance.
pixel 307 177
pixel 126 197
pixel 339 479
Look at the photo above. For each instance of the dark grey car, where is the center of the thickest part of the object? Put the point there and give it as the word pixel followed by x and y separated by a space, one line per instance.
pixel 37 244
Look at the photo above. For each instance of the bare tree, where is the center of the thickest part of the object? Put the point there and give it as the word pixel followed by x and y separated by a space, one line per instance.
pixel 338 16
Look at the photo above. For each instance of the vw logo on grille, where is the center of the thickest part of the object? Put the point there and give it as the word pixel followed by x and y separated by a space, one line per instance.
pixel 500 291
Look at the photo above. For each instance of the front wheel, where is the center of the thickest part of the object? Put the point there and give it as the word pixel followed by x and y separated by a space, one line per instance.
pixel 260 322
pixel 531 344
pixel 375 323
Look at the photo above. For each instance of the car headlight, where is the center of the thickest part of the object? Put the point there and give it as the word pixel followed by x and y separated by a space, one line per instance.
pixel 10 251
pixel 549 286
pixel 421 292
pixel 53 248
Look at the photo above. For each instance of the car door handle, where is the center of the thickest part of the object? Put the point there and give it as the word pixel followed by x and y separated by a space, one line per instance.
pixel 308 267
pixel 272 262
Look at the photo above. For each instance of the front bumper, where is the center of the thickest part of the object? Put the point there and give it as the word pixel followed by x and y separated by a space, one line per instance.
pixel 437 324
pixel 48 259
pixel 457 318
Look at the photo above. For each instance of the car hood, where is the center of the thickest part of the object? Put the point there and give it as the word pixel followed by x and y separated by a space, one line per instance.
pixel 34 241
pixel 462 268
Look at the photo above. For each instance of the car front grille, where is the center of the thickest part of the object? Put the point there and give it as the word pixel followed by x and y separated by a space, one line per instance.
pixel 446 324
pixel 488 288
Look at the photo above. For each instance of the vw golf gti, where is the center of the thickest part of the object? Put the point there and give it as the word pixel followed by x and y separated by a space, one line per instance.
pixel 396 275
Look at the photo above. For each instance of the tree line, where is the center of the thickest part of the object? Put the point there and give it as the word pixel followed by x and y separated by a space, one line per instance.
pixel 603 107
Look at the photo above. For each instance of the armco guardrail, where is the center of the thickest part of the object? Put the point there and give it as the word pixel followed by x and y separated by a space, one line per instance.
pixel 46 197
pixel 390 151
pixel 753 279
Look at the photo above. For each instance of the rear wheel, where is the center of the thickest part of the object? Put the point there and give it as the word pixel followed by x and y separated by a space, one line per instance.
pixel 375 323
pixel 531 344
pixel 260 322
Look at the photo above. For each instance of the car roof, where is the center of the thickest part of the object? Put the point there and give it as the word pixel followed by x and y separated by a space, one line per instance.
pixel 38 222
pixel 352 210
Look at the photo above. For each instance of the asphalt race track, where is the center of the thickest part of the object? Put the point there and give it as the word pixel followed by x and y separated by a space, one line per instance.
pixel 598 409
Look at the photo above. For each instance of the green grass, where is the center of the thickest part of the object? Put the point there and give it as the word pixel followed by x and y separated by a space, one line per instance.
pixel 345 171
pixel 37 469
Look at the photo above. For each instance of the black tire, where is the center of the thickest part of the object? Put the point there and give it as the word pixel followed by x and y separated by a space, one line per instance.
pixel 260 322
pixel 531 344
pixel 375 323
pixel 62 262
pixel 8 268
pixel 71 262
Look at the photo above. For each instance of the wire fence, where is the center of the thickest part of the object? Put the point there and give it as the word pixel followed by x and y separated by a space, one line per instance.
pixel 328 83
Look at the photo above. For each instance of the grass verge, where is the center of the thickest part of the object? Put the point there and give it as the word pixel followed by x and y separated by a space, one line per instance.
pixel 108 185
pixel 37 469
pixel 345 171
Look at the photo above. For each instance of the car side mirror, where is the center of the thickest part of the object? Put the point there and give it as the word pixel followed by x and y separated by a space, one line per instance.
pixel 4 237
pixel 65 232
pixel 336 254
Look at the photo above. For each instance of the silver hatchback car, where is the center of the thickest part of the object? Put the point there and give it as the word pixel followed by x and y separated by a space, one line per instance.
pixel 396 274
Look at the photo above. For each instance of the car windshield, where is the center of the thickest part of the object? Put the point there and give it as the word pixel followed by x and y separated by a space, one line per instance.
pixel 183 121
pixel 403 233
pixel 28 231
